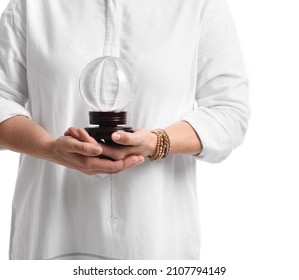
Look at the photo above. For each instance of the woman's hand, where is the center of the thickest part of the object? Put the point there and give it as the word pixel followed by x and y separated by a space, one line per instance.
pixel 85 157
pixel 141 143
pixel 77 150
pixel 80 152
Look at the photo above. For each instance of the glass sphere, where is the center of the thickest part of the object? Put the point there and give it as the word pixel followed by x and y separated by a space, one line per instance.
pixel 107 84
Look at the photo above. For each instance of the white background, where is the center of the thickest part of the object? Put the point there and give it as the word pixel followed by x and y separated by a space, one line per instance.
pixel 249 203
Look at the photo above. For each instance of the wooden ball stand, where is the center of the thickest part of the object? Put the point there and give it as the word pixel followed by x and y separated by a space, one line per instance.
pixel 108 123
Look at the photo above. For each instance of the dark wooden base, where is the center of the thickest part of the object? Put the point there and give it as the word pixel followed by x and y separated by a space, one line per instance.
pixel 104 133
pixel 108 123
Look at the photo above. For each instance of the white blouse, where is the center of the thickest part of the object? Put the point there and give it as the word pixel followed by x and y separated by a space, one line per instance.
pixel 181 52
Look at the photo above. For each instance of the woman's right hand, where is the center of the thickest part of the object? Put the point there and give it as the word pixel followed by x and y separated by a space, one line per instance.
pixel 22 135
pixel 84 155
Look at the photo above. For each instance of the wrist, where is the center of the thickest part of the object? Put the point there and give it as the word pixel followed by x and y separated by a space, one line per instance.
pixel 48 149
pixel 163 146
pixel 152 143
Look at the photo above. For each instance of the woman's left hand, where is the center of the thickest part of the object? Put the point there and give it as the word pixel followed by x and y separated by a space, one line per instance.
pixel 140 143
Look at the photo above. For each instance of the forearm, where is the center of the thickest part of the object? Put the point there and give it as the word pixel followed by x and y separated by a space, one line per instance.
pixel 22 135
pixel 183 139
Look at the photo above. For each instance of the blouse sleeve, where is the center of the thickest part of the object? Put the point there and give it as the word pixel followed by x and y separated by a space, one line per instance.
pixel 222 113
pixel 13 73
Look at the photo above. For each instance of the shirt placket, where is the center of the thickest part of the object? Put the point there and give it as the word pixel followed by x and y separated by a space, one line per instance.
pixel 113 26
pixel 111 48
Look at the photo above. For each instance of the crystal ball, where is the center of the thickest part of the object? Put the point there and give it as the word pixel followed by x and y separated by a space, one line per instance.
pixel 107 84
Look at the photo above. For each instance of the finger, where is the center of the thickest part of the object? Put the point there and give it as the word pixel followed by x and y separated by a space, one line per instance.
pixel 140 161
pixel 133 161
pixel 71 131
pixel 85 137
pixel 116 152
pixel 83 148
pixel 114 167
pixel 80 134
pixel 126 138
pixel 103 166
pixel 96 165
pixel 129 163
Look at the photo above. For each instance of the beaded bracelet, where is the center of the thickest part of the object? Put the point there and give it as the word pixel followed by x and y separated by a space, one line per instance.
pixel 163 145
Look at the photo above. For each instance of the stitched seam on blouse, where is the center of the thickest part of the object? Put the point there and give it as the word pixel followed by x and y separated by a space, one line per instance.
pixel 10 12
pixel 11 17
pixel 80 254
pixel 17 21
pixel 217 17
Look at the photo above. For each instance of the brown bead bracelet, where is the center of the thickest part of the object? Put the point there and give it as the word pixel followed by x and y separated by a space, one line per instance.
pixel 163 145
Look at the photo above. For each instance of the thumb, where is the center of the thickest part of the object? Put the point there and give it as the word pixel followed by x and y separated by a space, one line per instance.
pixel 123 138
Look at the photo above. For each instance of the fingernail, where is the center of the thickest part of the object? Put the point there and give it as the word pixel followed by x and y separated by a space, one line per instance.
pixel 116 136
pixel 97 150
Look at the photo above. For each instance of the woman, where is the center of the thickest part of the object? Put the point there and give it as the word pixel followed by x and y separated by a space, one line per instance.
pixel 71 203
